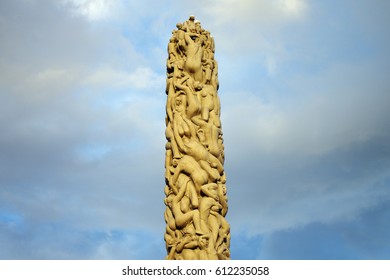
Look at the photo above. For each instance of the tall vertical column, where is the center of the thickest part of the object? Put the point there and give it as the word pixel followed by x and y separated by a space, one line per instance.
pixel 196 201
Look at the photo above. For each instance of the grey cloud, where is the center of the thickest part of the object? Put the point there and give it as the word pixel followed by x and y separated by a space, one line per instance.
pixel 53 127
pixel 316 149
pixel 364 237
pixel 85 156
pixel 286 191
pixel 309 162
pixel 54 241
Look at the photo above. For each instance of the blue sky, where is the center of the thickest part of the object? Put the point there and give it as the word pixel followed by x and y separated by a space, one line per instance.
pixel 305 100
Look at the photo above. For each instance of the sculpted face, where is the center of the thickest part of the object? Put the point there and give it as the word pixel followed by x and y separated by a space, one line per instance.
pixel 180 103
pixel 203 242
pixel 197 85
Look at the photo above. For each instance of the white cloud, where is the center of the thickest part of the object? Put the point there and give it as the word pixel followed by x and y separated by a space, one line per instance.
pixel 293 8
pixel 271 65
pixel 246 14
pixel 316 114
pixel 262 123
pixel 141 78
pixel 93 9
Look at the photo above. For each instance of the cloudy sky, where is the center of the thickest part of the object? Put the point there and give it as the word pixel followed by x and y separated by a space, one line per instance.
pixel 305 95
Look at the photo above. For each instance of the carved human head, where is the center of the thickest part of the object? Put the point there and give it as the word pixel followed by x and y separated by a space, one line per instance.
pixel 198 85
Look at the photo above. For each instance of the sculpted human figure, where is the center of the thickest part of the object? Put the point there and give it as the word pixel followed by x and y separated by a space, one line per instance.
pixel 208 59
pixel 198 27
pixel 207 99
pixel 178 123
pixel 207 248
pixel 172 54
pixel 210 203
pixel 209 135
pixel 210 131
pixel 180 180
pixel 190 24
pixel 215 114
pixel 194 106
pixel 220 223
pixel 207 71
pixel 214 76
pixel 210 208
pixel 190 166
pixel 212 172
pixel 223 251
pixel 181 42
pixel 191 199
pixel 222 195
pixel 182 219
pixel 173 78
pixel 186 247
pixel 168 215
pixel 191 147
pixel 194 52
pixel 172 150
pixel 176 103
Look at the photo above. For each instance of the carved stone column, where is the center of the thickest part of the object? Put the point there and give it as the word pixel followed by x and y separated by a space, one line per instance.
pixel 196 201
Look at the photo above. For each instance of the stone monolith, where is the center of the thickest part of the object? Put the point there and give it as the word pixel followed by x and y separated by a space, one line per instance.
pixel 196 201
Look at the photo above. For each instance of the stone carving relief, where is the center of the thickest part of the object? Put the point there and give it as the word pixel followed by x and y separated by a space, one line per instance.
pixel 196 201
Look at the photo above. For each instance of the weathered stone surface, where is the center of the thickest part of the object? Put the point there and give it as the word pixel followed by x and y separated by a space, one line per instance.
pixel 196 201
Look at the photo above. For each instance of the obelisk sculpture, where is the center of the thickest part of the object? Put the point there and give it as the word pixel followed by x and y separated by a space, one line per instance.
pixel 196 201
